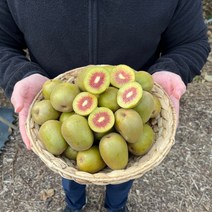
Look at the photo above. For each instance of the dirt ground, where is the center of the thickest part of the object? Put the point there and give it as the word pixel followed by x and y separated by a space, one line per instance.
pixel 181 183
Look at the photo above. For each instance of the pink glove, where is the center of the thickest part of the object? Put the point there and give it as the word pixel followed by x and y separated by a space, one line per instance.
pixel 173 85
pixel 23 94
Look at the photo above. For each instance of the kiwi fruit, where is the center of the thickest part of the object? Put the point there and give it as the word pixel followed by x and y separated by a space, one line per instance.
pixel 90 160
pixel 70 153
pixel 65 115
pixel 157 107
pixel 145 106
pixel 93 79
pixel 50 135
pixel 129 124
pixel 77 133
pixel 43 111
pixel 121 74
pixel 101 119
pixel 48 86
pixel 98 136
pixel 129 95
pixel 144 143
pixel 84 103
pixel 109 99
pixel 114 151
pixel 108 68
pixel 145 79
pixel 62 96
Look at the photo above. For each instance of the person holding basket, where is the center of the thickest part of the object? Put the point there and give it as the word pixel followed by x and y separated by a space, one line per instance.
pixel 166 38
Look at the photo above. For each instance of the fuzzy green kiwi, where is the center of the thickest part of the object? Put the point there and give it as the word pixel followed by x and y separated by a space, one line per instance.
pixel 65 115
pixel 144 143
pixel 90 160
pixel 77 133
pixel 114 151
pixel 129 124
pixel 70 153
pixel 62 96
pixel 157 107
pixel 51 137
pixel 145 106
pixel 109 99
pixel 43 111
pixel 145 79
pixel 48 87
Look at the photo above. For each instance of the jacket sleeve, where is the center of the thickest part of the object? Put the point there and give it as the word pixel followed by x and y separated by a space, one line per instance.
pixel 184 44
pixel 14 64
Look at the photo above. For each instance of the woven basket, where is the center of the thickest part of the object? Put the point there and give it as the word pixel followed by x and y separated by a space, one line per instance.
pixel 164 127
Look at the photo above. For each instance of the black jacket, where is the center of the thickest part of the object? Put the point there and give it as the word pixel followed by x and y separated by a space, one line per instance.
pixel 65 34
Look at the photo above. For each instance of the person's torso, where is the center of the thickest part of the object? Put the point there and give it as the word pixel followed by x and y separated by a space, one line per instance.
pixel 64 34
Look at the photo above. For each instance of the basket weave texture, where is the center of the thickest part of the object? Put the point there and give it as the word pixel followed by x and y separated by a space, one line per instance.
pixel 164 127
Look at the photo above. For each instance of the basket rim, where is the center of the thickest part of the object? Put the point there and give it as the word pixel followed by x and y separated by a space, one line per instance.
pixel 58 165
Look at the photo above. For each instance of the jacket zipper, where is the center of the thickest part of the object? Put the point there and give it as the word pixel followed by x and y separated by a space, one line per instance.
pixel 92 19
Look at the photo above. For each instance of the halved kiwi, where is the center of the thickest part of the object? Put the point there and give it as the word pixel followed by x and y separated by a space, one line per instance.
pixel 101 119
pixel 94 79
pixel 121 74
pixel 84 103
pixel 129 95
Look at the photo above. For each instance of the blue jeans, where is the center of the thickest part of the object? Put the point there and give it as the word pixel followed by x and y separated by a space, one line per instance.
pixel 115 198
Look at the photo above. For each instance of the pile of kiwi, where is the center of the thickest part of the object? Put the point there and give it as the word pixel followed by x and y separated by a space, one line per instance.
pixel 100 119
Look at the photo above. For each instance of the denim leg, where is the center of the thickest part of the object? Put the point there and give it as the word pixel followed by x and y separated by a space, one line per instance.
pixel 75 194
pixel 117 195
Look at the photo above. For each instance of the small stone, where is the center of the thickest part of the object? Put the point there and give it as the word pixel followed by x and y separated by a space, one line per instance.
pixel 137 192
pixel 208 77
pixel 45 194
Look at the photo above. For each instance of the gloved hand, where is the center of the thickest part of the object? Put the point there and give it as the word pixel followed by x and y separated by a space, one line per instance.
pixel 23 94
pixel 173 85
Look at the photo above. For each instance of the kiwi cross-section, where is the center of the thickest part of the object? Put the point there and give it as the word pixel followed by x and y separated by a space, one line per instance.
pixel 94 79
pixel 121 74
pixel 129 95
pixel 84 103
pixel 101 119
